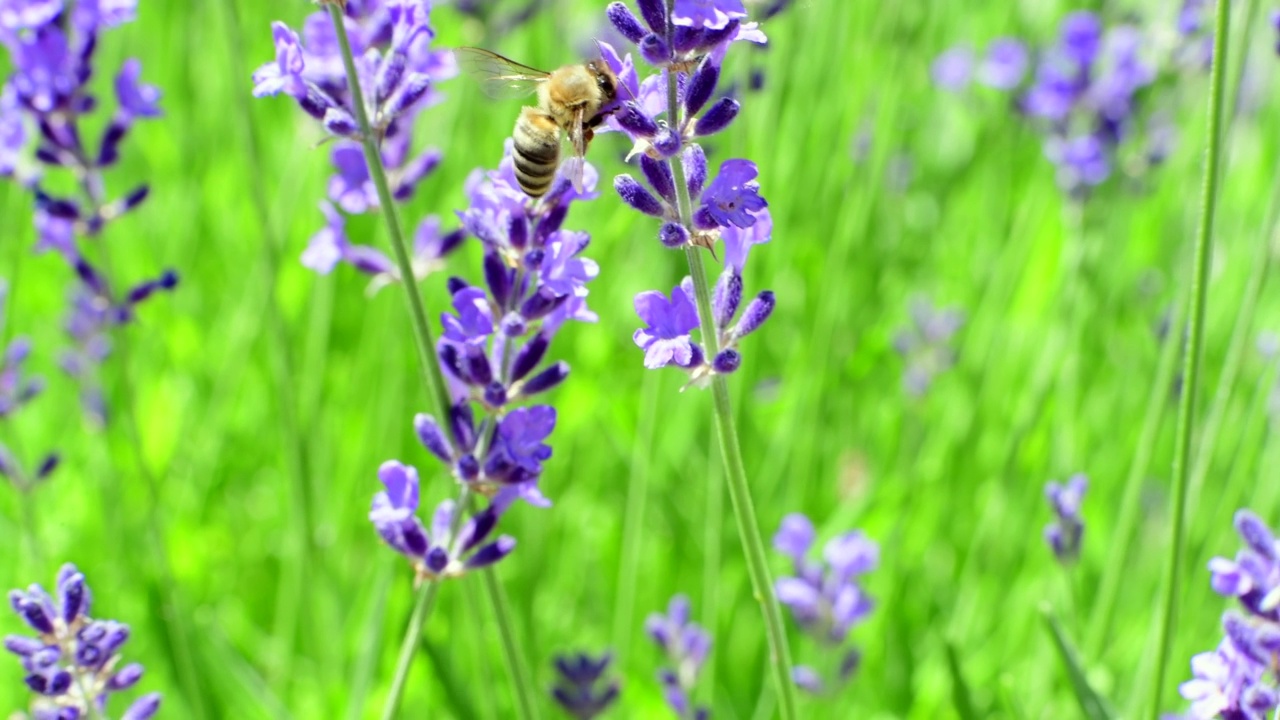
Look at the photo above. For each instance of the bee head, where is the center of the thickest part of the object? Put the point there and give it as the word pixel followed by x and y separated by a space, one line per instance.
pixel 605 79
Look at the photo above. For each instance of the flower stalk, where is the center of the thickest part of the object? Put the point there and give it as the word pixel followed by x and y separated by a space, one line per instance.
pixel 436 390
pixel 726 430
pixel 1195 342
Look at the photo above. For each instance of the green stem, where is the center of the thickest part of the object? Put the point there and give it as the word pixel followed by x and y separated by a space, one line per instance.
pixel 439 396
pixel 739 491
pixel 1186 409
pixel 511 654
pixel 633 519
pixel 408 648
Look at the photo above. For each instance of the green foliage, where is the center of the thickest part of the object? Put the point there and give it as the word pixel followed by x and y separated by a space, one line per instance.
pixel 288 623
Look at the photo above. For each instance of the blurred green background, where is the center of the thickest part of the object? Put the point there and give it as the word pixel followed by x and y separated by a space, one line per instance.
pixel 1059 371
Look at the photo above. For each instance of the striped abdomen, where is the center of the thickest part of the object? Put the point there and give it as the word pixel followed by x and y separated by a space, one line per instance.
pixel 537 151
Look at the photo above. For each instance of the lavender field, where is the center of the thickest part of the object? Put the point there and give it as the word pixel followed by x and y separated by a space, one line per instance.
pixel 880 360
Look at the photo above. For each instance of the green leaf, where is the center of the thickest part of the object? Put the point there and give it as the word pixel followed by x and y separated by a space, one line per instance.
pixel 960 694
pixel 1095 707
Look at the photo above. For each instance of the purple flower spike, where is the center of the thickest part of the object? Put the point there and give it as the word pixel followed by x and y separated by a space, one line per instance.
pixel 635 195
pixel 665 340
pixel 74 661
pixel 686 646
pixel 1005 64
pixel 1065 533
pixel 953 69
pixel 582 688
pixel 1081 37
pixel 825 598
pixel 734 195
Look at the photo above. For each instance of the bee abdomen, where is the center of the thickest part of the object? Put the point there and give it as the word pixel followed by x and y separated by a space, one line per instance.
pixel 537 151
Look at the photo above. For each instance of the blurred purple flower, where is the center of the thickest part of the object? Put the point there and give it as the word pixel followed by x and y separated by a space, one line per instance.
pixel 824 597
pixel 686 646
pixel 74 660
pixel 665 339
pixel 1065 533
pixel 1004 65
pixel 581 688
pixel 953 69
pixel 926 344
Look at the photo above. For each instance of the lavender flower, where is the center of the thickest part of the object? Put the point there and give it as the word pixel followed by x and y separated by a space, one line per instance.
pixel 686 645
pixel 581 689
pixel 729 206
pixel 824 597
pixel 925 344
pixel 439 553
pixel 1067 530
pixel 17 389
pixel 53 46
pixel 1085 94
pixel 399 71
pixel 953 69
pixel 74 660
pixel 1235 681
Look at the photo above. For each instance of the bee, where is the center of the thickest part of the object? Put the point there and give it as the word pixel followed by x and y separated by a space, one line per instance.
pixel 571 100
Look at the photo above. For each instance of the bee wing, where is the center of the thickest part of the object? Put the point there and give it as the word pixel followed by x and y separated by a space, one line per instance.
pixel 573 167
pixel 499 77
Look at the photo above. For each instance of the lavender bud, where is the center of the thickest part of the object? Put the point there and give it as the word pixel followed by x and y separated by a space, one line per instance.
pixel 1256 534
pixel 492 553
pixel 91 278
pixel 144 708
pixel 753 317
pixel 626 23
pixel 49 156
pixel 673 235
pixel 339 122
pixel 695 168
pixel 22 646
pixel 635 195
pixel 701 85
pixel 498 277
pixel 539 305
pixel 390 72
pixel 414 88
pixel 519 232
pixel 711 38
pixel 726 361
pixel 455 285
pixel 475 367
pixel 125 678
pixel 635 121
pixel 718 117
pixel 550 223
pixel 513 325
pixel 655 50
pixel 546 379
pixel 437 559
pixel 687 39
pixel 703 220
pixel 726 298
pixel 463 424
pixel 33 612
pixel 432 437
pixel 71 597
pixel 495 394
pixel 667 143
pixel 528 357
pixel 534 258
pixel 654 13
pixel 109 150
pixel 658 174
pixel 57 207
pixel 468 468
pixel 696 357
pixel 451 360
pixel 450 242
pixel 136 197
pixel 47 467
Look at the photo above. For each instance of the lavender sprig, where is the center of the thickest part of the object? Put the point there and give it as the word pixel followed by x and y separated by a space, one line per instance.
pixel 686 645
pixel 73 664
pixel 926 345
pixel 687 41
pixel 581 688
pixel 18 388
pixel 825 598
pixel 1235 681
pixel 1066 532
